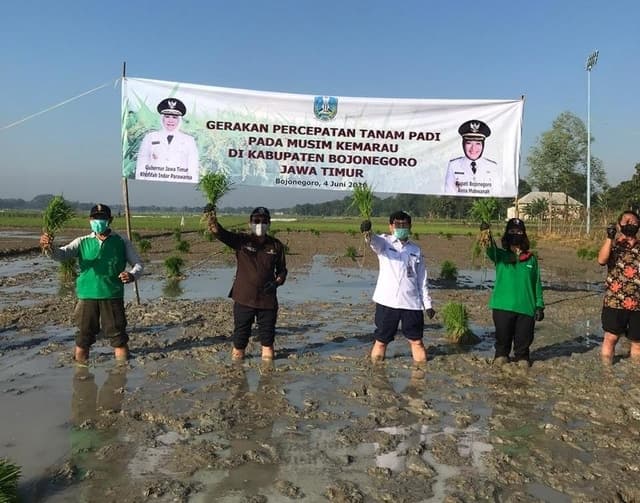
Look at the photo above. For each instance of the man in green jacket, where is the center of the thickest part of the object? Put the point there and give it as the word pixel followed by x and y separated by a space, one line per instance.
pixel 102 259
pixel 516 299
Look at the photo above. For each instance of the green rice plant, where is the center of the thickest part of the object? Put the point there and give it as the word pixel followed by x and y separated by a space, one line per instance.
pixel 57 213
pixel 9 476
pixel 456 323
pixel 68 271
pixel 448 270
pixel 352 232
pixel 177 234
pixel 315 232
pixel 362 199
pixel 587 253
pixel 449 236
pixel 351 253
pixel 416 236
pixel 144 245
pixel 173 266
pixel 214 186
pixel 183 246
pixel 136 237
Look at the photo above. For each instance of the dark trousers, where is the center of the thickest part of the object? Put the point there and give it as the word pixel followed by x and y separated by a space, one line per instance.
pixel 106 314
pixel 387 320
pixel 243 318
pixel 513 329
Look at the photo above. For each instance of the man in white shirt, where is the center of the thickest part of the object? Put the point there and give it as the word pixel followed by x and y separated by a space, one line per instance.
pixel 472 175
pixel 401 292
pixel 169 155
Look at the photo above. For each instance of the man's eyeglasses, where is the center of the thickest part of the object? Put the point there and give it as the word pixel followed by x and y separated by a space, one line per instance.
pixel 401 224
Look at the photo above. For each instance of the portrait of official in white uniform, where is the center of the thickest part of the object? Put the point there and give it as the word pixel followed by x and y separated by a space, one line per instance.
pixel 472 174
pixel 169 155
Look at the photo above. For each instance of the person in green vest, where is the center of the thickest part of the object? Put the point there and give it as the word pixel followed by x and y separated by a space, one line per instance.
pixel 102 258
pixel 516 300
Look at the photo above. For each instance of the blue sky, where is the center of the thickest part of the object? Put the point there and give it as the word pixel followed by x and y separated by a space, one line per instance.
pixel 52 51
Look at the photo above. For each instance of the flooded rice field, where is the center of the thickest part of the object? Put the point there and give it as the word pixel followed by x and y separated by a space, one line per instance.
pixel 181 422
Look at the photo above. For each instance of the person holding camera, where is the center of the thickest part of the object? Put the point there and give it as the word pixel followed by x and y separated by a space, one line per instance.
pixel 621 304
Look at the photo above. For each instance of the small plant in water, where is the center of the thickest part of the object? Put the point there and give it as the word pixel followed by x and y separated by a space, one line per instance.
pixel 144 245
pixel 448 270
pixel 351 253
pixel 173 266
pixel 456 323
pixel 183 246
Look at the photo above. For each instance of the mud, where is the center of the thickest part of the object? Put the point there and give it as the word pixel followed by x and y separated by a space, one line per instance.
pixel 181 422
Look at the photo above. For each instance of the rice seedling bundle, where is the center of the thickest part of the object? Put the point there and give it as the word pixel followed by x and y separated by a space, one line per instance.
pixel 56 215
pixel 214 186
pixel 362 199
pixel 9 475
pixel 456 323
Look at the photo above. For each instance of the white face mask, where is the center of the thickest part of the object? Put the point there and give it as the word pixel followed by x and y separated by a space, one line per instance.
pixel 260 229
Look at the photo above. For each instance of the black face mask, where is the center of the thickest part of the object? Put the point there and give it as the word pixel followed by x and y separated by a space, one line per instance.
pixel 515 239
pixel 629 230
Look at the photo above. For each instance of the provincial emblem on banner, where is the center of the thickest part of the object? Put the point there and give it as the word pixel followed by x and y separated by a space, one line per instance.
pixel 325 107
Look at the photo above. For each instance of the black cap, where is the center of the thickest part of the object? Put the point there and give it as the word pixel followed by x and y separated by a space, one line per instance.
pixel 101 212
pixel 516 223
pixel 172 106
pixel 474 130
pixel 260 211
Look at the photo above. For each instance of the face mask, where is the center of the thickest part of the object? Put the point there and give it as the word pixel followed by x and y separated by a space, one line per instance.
pixel 629 230
pixel 260 229
pixel 401 234
pixel 99 226
pixel 515 239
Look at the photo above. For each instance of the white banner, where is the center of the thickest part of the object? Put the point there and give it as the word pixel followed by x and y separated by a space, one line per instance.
pixel 174 131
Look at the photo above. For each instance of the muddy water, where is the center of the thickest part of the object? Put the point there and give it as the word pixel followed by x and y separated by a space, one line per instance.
pixel 180 422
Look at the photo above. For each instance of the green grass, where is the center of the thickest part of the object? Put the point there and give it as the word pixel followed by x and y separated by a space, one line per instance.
pixel 170 222
pixel 587 253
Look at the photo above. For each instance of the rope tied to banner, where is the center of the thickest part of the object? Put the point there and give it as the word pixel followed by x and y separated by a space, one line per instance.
pixel 62 103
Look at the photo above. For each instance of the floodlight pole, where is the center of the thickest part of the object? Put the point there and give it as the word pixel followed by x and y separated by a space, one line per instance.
pixel 591 62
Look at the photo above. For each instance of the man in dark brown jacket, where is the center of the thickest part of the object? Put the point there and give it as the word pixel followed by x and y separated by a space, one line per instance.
pixel 261 269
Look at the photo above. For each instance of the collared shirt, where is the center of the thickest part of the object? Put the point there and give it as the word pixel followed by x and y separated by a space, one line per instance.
pixel 402 278
pixel 461 179
pixel 258 263
pixel 623 277
pixel 171 161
